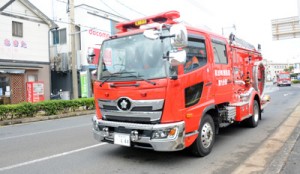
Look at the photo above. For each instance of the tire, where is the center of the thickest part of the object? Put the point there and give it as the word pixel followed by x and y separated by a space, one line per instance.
pixel 253 120
pixel 203 145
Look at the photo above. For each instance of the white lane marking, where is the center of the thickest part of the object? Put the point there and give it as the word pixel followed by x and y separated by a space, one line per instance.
pixel 287 94
pixel 49 157
pixel 42 132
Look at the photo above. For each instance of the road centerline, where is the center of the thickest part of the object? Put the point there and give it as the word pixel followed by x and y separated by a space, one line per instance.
pixel 50 157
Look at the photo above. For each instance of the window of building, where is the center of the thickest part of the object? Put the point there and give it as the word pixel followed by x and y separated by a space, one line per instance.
pixel 17 29
pixel 220 53
pixel 59 36
pixel 32 78
pixel 196 54
pixel 4 84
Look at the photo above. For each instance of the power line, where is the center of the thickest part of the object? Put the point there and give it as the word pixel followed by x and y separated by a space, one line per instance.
pixel 130 8
pixel 81 7
pixel 89 27
pixel 111 8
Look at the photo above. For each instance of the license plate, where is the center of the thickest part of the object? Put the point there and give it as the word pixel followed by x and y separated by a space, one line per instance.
pixel 122 139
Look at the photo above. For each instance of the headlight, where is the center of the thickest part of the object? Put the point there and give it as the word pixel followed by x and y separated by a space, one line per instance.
pixel 170 133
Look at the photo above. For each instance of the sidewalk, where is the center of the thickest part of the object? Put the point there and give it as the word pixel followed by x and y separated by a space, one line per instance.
pixel 293 161
pixel 280 153
pixel 287 160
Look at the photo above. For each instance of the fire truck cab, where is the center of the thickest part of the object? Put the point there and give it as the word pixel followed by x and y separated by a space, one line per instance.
pixel 165 86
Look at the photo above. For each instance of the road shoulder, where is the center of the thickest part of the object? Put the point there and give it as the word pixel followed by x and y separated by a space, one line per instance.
pixel 279 143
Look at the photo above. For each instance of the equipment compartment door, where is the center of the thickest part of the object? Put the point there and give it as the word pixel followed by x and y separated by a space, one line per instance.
pixel 222 71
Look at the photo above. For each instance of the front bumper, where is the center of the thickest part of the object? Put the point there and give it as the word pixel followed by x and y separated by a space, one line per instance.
pixel 145 131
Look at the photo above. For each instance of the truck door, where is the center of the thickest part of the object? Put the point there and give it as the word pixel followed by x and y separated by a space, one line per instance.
pixel 197 75
pixel 223 76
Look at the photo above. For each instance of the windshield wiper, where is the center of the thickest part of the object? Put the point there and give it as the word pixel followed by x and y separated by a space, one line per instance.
pixel 141 78
pixel 132 74
pixel 137 76
pixel 108 77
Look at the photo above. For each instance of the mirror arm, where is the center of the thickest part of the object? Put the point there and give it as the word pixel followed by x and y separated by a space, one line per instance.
pixel 174 77
pixel 166 57
pixel 163 37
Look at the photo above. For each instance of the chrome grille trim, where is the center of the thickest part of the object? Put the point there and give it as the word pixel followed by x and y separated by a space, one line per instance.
pixel 152 113
pixel 154 116
pixel 156 104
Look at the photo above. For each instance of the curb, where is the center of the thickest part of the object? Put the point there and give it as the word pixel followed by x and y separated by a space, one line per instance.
pixel 277 144
pixel 43 118
pixel 279 160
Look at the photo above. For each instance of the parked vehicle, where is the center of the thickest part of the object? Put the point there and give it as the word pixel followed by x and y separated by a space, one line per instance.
pixel 165 86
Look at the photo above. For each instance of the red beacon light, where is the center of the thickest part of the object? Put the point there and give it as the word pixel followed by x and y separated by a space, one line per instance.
pixel 166 17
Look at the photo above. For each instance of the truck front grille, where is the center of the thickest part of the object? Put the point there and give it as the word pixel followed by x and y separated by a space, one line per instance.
pixel 138 111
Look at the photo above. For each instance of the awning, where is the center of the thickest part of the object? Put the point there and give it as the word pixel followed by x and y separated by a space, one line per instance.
pixel 12 71
pixel 22 65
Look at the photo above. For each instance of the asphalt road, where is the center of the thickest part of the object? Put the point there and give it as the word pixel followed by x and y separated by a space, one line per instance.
pixel 67 146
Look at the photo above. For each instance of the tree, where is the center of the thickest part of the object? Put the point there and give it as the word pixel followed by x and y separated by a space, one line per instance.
pixel 289 69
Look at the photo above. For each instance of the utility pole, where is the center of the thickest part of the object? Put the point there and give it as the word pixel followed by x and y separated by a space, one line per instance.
pixel 73 50
pixel 299 10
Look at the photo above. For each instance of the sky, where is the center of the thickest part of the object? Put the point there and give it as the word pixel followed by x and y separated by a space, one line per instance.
pixel 251 18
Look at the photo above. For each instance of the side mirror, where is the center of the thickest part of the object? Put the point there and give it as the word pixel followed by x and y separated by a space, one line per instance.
pixel 151 34
pixel 177 58
pixel 180 36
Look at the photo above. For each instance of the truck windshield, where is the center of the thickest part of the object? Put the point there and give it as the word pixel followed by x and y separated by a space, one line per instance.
pixel 133 57
pixel 283 76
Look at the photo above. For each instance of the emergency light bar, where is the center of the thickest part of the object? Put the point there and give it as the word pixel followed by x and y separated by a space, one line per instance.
pixel 166 17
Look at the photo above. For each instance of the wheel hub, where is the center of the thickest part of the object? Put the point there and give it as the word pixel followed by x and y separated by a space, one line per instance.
pixel 206 135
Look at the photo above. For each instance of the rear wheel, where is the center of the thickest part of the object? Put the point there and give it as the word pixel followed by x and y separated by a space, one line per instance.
pixel 206 137
pixel 253 120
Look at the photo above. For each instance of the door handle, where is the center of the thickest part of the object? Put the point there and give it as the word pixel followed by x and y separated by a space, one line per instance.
pixel 208 84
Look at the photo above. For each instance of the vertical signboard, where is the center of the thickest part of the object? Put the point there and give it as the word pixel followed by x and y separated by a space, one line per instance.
pixel 84 83
pixel 35 92
pixel 286 28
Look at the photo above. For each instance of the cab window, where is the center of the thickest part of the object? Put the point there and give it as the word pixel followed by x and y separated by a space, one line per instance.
pixel 220 53
pixel 196 54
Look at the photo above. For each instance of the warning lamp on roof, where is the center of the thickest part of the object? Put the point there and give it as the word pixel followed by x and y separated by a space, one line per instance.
pixel 166 17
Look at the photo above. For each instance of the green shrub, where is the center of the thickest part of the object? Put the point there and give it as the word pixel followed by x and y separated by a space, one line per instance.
pixel 50 107
pixel 296 81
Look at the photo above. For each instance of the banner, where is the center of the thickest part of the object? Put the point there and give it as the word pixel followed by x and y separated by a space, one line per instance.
pixel 84 83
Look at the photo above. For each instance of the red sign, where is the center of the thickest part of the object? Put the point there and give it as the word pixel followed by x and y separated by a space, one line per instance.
pixel 35 92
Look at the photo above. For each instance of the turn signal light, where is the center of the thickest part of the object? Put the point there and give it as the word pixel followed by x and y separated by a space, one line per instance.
pixel 190 115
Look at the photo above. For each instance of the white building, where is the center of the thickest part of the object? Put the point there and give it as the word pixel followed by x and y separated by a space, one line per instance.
pixel 24 49
pixel 274 68
pixel 297 67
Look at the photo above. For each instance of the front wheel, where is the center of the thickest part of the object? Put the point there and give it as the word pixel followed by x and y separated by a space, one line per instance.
pixel 206 137
pixel 253 120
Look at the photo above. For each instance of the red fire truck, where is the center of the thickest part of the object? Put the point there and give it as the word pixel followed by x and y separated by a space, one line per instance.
pixel 165 86
pixel 283 79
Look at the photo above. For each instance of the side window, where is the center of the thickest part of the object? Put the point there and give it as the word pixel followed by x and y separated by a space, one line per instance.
pixel 59 36
pixel 196 54
pixel 220 53
pixel 17 29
